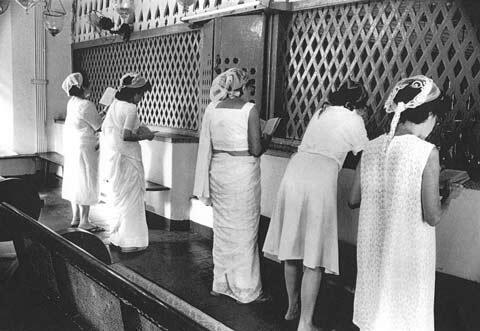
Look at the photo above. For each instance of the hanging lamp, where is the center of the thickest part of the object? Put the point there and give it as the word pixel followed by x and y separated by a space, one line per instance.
pixel 27 4
pixel 54 18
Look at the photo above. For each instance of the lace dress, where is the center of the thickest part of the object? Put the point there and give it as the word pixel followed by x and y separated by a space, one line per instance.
pixel 395 247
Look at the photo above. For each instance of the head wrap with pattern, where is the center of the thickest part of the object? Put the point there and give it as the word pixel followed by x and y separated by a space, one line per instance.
pixel 427 91
pixel 133 80
pixel 227 84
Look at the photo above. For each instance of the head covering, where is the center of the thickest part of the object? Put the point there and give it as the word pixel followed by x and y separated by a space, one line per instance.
pixel 427 91
pixel 72 80
pixel 133 80
pixel 226 84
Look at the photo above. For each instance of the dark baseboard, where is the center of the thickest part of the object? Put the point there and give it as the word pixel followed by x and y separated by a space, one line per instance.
pixel 158 222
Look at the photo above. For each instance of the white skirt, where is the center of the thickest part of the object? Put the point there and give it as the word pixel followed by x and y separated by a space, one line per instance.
pixel 303 225
pixel 235 194
pixel 80 173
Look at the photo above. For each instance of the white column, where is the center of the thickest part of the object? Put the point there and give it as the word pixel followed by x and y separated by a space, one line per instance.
pixel 40 81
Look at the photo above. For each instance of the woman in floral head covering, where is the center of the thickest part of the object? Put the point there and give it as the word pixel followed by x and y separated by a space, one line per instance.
pixel 122 167
pixel 228 176
pixel 80 171
pixel 397 182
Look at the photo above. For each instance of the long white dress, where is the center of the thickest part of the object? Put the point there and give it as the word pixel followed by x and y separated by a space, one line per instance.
pixel 123 176
pixel 80 172
pixel 395 247
pixel 233 185
pixel 303 225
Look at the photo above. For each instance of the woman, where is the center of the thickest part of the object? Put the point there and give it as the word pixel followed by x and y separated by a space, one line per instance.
pixel 122 164
pixel 228 174
pixel 303 226
pixel 397 182
pixel 80 171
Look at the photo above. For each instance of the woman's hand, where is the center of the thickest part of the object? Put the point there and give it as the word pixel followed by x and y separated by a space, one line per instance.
pixel 145 133
pixel 453 191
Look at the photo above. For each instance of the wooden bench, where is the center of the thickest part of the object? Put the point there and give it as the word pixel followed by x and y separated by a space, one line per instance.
pixel 57 159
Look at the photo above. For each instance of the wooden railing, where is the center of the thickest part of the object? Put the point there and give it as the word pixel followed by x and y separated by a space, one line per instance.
pixel 82 286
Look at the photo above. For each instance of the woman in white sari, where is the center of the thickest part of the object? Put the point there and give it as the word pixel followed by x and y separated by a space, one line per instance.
pixel 228 175
pixel 122 167
pixel 80 172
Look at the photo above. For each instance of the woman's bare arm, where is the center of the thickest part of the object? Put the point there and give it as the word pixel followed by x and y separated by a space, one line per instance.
pixel 144 134
pixel 257 144
pixel 356 190
pixel 432 206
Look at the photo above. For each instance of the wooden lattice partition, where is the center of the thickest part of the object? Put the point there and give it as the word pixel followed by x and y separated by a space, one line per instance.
pixel 170 63
pixel 377 43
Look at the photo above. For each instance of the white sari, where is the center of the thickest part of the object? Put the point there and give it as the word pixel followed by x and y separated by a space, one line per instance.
pixel 232 183
pixel 80 171
pixel 123 176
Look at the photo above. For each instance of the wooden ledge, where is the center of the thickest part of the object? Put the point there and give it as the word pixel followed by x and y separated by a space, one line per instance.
pixel 175 137
pixel 154 187
pixel 52 157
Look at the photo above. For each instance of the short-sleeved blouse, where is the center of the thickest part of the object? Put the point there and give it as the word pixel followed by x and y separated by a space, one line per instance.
pixel 333 133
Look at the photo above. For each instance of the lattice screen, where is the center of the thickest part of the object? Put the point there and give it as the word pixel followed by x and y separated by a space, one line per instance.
pixel 170 63
pixel 149 14
pixel 378 43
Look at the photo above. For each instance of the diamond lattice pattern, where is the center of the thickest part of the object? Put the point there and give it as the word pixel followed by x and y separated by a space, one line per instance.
pixel 170 63
pixel 378 43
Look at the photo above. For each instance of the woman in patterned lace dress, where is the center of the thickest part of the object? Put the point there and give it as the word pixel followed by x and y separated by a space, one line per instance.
pixel 397 182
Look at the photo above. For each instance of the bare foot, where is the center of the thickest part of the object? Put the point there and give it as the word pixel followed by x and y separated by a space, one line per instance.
pixel 292 312
pixel 307 326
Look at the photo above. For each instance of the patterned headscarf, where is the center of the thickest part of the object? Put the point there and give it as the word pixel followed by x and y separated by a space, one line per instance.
pixel 226 84
pixel 72 80
pixel 133 80
pixel 428 91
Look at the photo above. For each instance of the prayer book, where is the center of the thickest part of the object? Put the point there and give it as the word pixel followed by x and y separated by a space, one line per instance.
pixel 108 96
pixel 453 176
pixel 269 127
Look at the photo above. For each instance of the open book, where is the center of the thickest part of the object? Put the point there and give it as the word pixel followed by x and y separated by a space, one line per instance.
pixel 108 96
pixel 453 176
pixel 269 127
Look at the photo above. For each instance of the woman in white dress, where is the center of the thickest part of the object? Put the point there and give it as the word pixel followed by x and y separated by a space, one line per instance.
pixel 397 182
pixel 227 175
pixel 122 167
pixel 303 226
pixel 80 171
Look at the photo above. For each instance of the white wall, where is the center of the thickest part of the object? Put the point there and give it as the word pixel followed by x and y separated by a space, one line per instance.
pixel 59 66
pixel 6 83
pixel 23 70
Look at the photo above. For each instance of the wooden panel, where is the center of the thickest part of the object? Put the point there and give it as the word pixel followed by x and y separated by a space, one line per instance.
pixel 239 42
pixel 206 67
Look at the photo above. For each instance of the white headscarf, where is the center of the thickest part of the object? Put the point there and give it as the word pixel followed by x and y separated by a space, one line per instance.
pixel 72 80
pixel 428 91
pixel 227 84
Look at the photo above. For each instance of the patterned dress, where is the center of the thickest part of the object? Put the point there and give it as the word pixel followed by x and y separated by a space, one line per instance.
pixel 395 247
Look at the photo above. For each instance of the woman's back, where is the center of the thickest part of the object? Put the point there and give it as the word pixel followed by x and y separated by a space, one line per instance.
pixel 396 248
pixel 82 118
pixel 334 133
pixel 229 127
